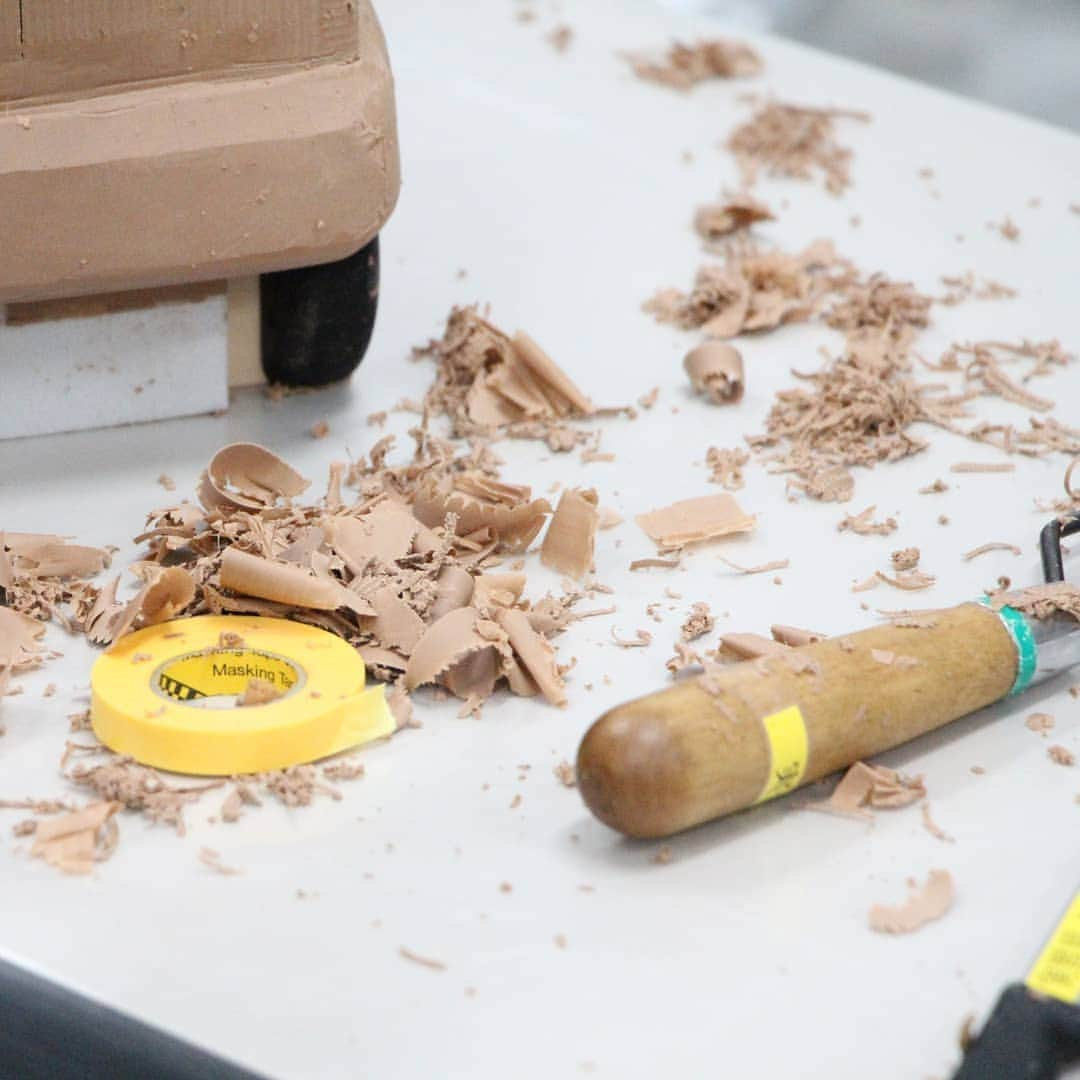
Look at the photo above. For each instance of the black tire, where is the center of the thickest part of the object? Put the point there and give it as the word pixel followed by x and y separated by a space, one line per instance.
pixel 317 320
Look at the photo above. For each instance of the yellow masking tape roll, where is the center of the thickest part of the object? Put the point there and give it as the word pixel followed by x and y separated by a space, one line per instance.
pixel 166 696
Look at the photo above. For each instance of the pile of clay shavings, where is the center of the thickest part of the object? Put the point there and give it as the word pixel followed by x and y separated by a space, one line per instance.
pixel 407 567
pixel 752 290
pixel 684 66
pixel 490 384
pixel 794 141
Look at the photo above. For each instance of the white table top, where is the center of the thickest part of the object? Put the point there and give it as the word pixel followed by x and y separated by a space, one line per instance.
pixel 557 182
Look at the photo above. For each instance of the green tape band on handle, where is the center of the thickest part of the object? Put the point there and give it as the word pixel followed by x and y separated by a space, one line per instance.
pixel 1027 651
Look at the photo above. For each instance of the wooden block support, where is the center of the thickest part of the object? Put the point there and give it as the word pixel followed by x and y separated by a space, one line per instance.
pixel 688 754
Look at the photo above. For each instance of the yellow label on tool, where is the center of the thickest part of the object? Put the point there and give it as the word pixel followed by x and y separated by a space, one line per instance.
pixel 1056 972
pixel 788 750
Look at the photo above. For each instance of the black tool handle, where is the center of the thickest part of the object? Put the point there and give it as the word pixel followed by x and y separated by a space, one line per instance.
pixel 48 1032
pixel 1027 1037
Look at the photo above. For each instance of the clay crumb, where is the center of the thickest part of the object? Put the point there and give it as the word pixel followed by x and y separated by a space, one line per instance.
pixel 320 429
pixel 922 906
pixel 376 419
pixel 167 482
pixel 212 859
pixel 1040 722
pixel 24 122
pixel 423 961
pixel 566 774
pixel 982 467
pixel 863 523
pixel 647 401
pixel 716 372
pixel 982 549
pixel 684 66
pixel 1008 228
pixel 905 558
pixel 726 467
pixel 258 692
pixel 230 639
pixel 560 38
pixel 560 941
pixel 762 568
pixel 698 623
pixel 684 658
pixel 936 488
pixel 663 856
pixel 1060 756
pixel 640 640
pixel 715 221
pixel 933 828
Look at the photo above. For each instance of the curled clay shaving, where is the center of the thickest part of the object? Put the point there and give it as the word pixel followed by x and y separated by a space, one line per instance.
pixel 716 371
pixel 922 906
pixel 982 549
pixel 251 575
pixel 249 476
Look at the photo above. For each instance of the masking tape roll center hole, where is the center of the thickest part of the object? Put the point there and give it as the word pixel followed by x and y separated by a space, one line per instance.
pixel 213 678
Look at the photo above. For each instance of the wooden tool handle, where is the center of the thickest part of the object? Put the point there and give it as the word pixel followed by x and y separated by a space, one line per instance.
pixel 723 741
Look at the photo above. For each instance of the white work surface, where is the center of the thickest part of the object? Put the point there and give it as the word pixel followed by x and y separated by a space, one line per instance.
pixel 557 182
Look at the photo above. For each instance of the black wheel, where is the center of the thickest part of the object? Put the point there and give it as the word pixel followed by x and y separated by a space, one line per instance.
pixel 317 320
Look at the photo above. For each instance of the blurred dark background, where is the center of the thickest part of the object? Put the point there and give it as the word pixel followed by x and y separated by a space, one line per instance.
pixel 1021 56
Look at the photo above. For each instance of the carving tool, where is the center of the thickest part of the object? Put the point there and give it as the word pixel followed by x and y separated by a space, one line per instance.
pixel 753 731
pixel 1034 1030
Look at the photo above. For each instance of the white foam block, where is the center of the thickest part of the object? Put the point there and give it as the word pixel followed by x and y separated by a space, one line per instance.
pixel 119 368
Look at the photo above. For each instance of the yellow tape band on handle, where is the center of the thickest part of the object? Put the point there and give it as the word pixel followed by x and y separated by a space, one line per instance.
pixel 789 749
pixel 166 695
pixel 1056 972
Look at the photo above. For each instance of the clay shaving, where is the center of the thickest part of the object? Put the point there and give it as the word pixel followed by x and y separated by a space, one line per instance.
pixel 74 842
pixel 570 541
pixel 871 787
pixel 922 906
pixel 694 520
